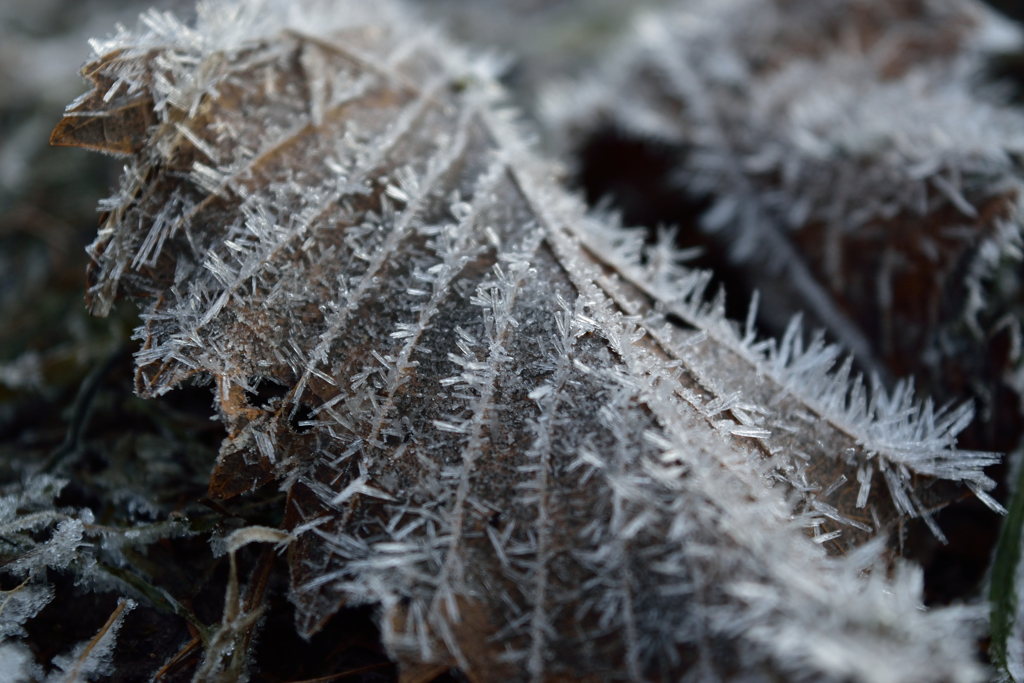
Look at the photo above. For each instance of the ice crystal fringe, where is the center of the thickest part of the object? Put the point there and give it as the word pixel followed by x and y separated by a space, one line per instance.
pixel 904 433
pixel 530 439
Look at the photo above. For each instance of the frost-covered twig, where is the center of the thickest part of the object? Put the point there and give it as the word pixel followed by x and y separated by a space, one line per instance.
pixel 91 659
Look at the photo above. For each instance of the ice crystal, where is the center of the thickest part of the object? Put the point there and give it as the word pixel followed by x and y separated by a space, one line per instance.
pixel 20 604
pixel 16 663
pixel 26 509
pixel 527 436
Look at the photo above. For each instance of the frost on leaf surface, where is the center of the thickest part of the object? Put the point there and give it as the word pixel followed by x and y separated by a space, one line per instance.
pixel 852 159
pixel 525 435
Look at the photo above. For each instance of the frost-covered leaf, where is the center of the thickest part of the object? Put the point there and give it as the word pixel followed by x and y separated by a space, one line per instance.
pixel 852 161
pixel 524 434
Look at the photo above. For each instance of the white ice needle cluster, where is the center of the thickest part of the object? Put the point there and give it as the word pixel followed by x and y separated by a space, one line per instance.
pixel 524 435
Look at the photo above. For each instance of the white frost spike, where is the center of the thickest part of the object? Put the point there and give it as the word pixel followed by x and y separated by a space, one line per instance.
pixel 498 422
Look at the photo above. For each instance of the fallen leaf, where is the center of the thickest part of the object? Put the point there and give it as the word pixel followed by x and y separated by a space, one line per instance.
pixel 523 433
